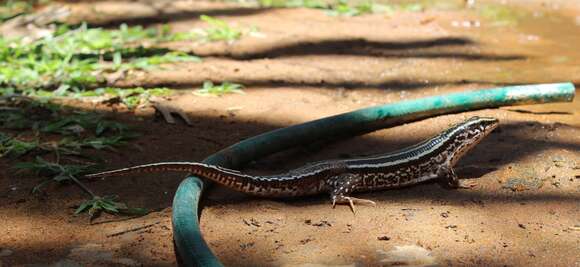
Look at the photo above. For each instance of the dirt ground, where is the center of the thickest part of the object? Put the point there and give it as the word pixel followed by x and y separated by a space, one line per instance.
pixel 305 65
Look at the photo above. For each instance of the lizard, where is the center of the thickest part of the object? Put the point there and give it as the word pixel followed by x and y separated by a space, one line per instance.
pixel 431 159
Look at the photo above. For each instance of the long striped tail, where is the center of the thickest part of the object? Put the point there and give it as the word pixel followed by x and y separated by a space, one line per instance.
pixel 190 167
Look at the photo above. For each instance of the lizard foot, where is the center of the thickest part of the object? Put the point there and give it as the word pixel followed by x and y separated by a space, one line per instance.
pixel 342 186
pixel 351 201
pixel 466 184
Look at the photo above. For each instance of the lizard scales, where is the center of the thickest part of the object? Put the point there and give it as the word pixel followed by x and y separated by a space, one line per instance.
pixel 433 158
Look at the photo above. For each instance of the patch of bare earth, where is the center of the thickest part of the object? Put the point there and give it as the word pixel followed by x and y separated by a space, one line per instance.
pixel 304 66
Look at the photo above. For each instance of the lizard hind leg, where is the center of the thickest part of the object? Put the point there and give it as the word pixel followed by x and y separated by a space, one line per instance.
pixel 341 187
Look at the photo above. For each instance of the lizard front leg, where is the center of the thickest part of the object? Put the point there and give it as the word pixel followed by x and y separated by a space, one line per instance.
pixel 341 187
pixel 448 179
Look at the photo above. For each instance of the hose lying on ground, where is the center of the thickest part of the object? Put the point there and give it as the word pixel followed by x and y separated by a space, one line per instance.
pixel 189 243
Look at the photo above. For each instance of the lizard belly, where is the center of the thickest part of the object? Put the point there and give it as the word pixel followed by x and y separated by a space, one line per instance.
pixel 381 181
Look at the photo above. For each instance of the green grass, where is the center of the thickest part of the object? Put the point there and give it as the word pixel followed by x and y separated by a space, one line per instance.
pixel 78 58
pixel 47 130
pixel 61 173
pixel 344 8
pixel 130 97
pixel 350 8
pixel 108 204
pixel 13 147
pixel 58 131
pixel 74 62
pixel 501 15
pixel 210 89
pixel 12 8
pixel 217 31
pixel 293 3
pixel 56 172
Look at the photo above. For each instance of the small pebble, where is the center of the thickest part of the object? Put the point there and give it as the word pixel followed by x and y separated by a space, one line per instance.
pixel 384 238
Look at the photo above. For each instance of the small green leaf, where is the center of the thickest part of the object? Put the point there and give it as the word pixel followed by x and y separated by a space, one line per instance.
pixel 117 59
pixel 209 89
pixel 84 206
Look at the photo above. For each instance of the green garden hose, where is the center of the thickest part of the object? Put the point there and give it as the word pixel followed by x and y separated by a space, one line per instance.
pixel 189 243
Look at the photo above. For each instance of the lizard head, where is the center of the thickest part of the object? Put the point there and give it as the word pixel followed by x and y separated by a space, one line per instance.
pixel 469 133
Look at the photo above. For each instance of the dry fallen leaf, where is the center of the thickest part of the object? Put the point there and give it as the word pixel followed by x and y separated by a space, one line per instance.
pixel 166 111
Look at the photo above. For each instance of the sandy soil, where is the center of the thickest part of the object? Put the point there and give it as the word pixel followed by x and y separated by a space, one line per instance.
pixel 524 212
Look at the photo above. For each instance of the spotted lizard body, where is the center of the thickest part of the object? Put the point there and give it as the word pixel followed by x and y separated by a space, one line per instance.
pixel 431 159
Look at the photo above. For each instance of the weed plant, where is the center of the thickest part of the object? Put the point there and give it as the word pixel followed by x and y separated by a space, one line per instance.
pixel 210 89
pixel 217 31
pixel 12 8
pixel 76 58
pixel 73 62
pixel 48 130
pixel 344 7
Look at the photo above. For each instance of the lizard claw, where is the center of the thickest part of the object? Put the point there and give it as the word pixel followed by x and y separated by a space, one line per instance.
pixel 351 203
pixel 467 184
pixel 363 201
